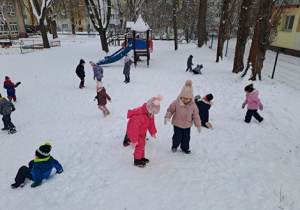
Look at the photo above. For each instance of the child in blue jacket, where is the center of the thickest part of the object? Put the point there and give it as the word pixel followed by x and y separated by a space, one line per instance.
pixel 40 168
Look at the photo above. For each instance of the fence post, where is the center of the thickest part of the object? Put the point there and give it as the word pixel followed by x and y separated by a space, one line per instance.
pixel 278 51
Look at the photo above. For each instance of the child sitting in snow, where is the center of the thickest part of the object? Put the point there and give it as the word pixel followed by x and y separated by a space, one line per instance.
pixel 184 112
pixel 254 104
pixel 204 105
pixel 10 87
pixel 141 119
pixel 197 70
pixel 40 168
pixel 102 97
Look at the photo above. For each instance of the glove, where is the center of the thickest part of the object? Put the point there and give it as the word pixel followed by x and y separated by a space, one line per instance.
pixel 35 184
pixel 18 83
pixel 59 172
pixel 109 101
pixel 13 109
pixel 153 136
pixel 95 78
pixel 95 99
pixel 166 120
pixel 261 107
pixel 199 129
pixel 243 106
pixel 133 145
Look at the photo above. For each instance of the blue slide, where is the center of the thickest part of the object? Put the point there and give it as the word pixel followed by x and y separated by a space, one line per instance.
pixel 116 56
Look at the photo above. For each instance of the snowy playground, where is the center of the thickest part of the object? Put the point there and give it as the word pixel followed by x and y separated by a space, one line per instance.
pixel 235 166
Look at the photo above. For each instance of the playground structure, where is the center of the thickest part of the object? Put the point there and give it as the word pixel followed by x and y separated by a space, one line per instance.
pixel 139 46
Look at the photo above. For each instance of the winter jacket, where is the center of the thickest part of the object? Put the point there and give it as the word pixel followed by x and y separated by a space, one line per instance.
pixel 127 65
pixel 183 114
pixel 189 62
pixel 102 97
pixel 252 100
pixel 10 87
pixel 5 106
pixel 80 69
pixel 139 122
pixel 42 168
pixel 98 72
pixel 204 107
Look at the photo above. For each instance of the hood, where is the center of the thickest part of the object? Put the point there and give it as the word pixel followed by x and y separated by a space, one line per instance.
pixel 137 111
pixel 253 95
pixel 81 61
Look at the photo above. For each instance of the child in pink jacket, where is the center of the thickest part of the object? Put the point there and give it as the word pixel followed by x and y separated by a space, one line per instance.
pixel 253 103
pixel 141 119
pixel 185 112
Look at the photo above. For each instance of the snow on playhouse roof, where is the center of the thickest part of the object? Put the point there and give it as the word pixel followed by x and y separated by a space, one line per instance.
pixel 140 25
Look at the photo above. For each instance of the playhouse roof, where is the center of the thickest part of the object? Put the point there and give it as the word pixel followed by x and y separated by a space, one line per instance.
pixel 140 25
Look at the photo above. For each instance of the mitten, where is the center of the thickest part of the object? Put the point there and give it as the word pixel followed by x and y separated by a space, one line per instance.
pixel 199 129
pixel 35 184
pixel 243 106
pixel 13 109
pixel 166 120
pixel 109 101
pixel 133 145
pixel 95 99
pixel 153 136
pixel 59 172
pixel 261 107
pixel 18 83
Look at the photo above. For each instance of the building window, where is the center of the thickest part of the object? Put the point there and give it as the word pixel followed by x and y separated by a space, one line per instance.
pixel 10 9
pixel 65 26
pixel 13 27
pixel 289 21
pixel 3 29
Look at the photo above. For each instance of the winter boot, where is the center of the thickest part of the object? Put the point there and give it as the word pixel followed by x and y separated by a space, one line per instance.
pixel 139 163
pixel 174 149
pixel 145 160
pixel 80 86
pixel 126 143
pixel 12 131
pixel 5 129
pixel 186 151
pixel 15 185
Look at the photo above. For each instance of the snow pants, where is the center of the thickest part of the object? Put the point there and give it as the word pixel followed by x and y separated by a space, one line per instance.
pixel 139 151
pixel 181 137
pixel 253 113
pixel 23 173
pixel 7 122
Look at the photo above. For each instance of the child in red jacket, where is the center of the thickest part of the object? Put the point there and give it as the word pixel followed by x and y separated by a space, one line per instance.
pixel 10 87
pixel 141 119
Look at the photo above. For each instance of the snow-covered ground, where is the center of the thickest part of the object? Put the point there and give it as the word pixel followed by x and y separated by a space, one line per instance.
pixel 236 166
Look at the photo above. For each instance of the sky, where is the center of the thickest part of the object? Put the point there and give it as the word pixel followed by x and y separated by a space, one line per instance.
pixel 234 166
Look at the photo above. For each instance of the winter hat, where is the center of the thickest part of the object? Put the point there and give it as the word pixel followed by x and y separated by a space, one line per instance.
pixel 7 78
pixel 126 58
pixel 99 85
pixel 209 97
pixel 43 151
pixel 82 61
pixel 249 88
pixel 187 90
pixel 93 63
pixel 153 105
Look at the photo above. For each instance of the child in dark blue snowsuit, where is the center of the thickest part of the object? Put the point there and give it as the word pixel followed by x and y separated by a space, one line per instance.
pixel 189 63
pixel 204 105
pixel 40 168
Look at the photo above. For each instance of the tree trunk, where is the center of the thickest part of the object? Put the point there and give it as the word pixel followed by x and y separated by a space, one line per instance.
pixel 242 35
pixel 202 22
pixel 103 41
pixel 222 29
pixel 175 25
pixel 44 34
pixel 54 29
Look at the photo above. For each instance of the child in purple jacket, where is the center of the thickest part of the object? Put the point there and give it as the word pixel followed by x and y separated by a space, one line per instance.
pixel 253 103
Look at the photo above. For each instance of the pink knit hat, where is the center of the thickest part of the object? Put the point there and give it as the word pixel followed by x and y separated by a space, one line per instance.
pixel 153 105
pixel 187 90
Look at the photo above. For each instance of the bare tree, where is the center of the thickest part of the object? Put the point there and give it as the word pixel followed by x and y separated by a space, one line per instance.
pixel 39 10
pixel 201 26
pixel 242 35
pixel 133 8
pixel 100 16
pixel 175 24
pixel 268 19
pixel 186 17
